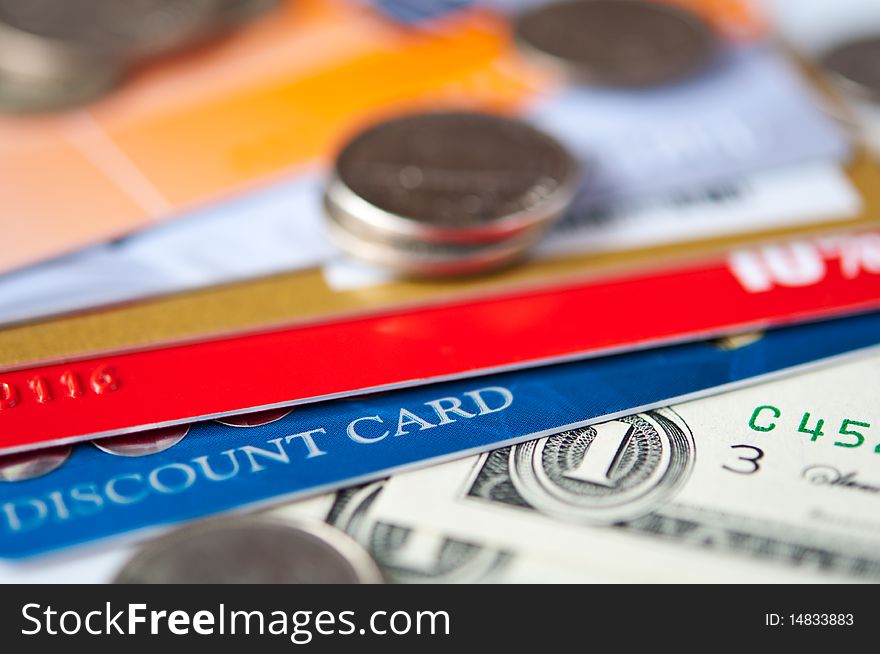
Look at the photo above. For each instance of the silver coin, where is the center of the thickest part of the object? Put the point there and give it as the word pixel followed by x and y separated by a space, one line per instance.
pixel 256 419
pixel 621 43
pixel 417 258
pixel 30 465
pixel 258 549
pixel 112 27
pixel 855 65
pixel 35 94
pixel 25 54
pixel 231 13
pixel 38 75
pixel 143 443
pixel 463 178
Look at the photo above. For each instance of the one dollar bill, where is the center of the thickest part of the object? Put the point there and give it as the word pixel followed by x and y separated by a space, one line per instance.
pixel 779 481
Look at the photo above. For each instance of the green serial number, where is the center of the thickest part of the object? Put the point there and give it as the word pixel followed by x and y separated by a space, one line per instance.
pixel 851 433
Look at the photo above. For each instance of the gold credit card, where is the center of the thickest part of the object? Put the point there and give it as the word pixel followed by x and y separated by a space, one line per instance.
pixel 305 296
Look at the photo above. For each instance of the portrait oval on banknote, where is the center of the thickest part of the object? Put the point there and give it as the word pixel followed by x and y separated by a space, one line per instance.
pixel 605 473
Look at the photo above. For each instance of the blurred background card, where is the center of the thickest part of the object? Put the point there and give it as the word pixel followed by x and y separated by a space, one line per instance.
pixel 181 134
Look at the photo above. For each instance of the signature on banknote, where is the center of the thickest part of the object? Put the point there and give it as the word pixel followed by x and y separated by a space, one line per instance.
pixel 824 475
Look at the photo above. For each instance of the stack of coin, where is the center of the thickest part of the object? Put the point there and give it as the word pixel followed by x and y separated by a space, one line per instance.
pixel 57 53
pixel 447 193
pixel 854 68
pixel 618 43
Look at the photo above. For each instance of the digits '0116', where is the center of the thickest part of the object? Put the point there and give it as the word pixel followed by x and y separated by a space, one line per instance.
pixel 70 384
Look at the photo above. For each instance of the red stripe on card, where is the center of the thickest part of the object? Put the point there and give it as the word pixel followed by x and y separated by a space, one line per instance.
pixel 136 390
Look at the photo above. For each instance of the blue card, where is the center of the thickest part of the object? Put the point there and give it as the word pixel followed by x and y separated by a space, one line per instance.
pixel 414 12
pixel 316 448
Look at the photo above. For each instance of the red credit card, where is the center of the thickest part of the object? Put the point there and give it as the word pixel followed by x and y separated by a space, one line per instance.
pixel 119 393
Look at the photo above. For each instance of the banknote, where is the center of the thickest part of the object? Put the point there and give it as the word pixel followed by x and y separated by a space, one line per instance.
pixel 782 476
pixel 124 487
pixel 411 552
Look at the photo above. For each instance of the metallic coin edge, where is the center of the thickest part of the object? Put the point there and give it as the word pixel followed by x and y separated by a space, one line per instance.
pixel 222 421
pixel 64 459
pixel 244 13
pixel 844 84
pixel 353 224
pixel 100 444
pixel 347 200
pixel 492 256
pixel 362 564
pixel 580 73
pixel 58 57
pixel 37 95
pixel 189 31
